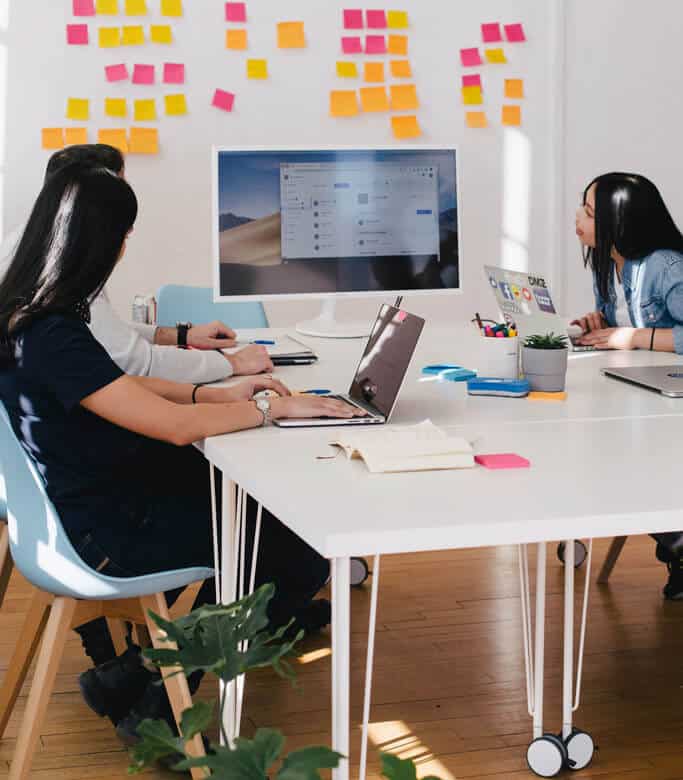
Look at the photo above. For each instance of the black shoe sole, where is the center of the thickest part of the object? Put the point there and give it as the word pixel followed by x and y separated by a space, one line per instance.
pixel 93 693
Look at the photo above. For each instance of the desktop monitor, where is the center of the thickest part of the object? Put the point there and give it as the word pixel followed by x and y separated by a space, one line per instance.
pixel 326 223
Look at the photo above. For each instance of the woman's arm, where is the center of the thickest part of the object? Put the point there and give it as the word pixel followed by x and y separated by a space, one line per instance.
pixel 181 393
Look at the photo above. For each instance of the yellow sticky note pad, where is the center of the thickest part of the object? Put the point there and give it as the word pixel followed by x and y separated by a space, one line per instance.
pixel 476 119
pixel 472 96
pixel 136 7
pixel 117 107
pixel 145 110
pixel 161 33
pixel 343 102
pixel 257 69
pixel 405 127
pixel 514 88
pixel 400 69
pixel 113 137
pixel 171 7
pixel 512 116
pixel 537 395
pixel 236 39
pixel 107 7
pixel 109 37
pixel 78 108
pixel 176 105
pixel 397 44
pixel 397 20
pixel 133 36
pixel 404 97
pixel 374 99
pixel 291 35
pixel 144 140
pixel 495 56
pixel 373 71
pixel 52 138
pixel 75 135
pixel 347 70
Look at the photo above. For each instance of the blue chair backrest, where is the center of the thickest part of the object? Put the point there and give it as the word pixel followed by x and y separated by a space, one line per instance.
pixel 177 303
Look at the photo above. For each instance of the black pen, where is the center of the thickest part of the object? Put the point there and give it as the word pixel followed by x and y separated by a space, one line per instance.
pixel 399 301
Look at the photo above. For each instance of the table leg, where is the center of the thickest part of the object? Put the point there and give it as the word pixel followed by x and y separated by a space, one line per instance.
pixel 539 640
pixel 368 668
pixel 341 662
pixel 229 528
pixel 568 654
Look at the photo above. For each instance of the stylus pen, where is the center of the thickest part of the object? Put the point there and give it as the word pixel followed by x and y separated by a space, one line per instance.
pixel 399 301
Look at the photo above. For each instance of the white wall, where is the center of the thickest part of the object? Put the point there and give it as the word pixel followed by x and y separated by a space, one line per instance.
pixel 171 242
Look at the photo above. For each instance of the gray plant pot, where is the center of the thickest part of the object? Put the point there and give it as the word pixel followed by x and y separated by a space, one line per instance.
pixel 545 369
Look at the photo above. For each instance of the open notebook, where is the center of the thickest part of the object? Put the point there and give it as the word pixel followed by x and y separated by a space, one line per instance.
pixel 422 447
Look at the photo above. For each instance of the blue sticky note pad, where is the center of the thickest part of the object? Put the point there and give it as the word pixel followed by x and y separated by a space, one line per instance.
pixel 510 388
pixel 448 372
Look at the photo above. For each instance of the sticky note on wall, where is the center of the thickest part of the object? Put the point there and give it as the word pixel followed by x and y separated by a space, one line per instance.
pixel 471 80
pixel 343 103
pixel 476 119
pixel 490 33
pixel 514 89
pixel 52 138
pixel 290 35
pixel 397 20
pixel 514 33
pixel 375 44
pixel 107 7
pixel 116 107
pixel 235 12
pixel 143 74
pixel 174 73
pixel 404 97
pixel 116 72
pixel 223 100
pixel 257 69
pixel 400 69
pixel 113 137
pixel 347 70
pixel 175 105
pixel 77 34
pixel 133 36
pixel 470 58
pixel 75 135
pixel 144 140
pixel 495 56
pixel 161 33
pixel 145 110
pixel 109 37
pixel 78 108
pixel 351 45
pixel 236 39
pixel 84 7
pixel 353 19
pixel 376 20
pixel 472 96
pixel 171 7
pixel 374 99
pixel 405 127
pixel 512 116
pixel 373 71
pixel 136 7
pixel 398 44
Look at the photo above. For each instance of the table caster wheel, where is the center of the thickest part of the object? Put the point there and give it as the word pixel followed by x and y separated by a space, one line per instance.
pixel 547 756
pixel 580 552
pixel 359 572
pixel 580 749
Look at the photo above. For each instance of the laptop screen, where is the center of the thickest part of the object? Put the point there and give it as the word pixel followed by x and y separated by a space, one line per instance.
pixel 386 358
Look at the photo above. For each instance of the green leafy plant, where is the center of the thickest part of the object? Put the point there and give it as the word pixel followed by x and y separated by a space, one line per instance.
pixel 546 341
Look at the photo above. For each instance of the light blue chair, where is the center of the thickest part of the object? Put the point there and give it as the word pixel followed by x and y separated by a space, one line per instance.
pixel 177 303
pixel 72 594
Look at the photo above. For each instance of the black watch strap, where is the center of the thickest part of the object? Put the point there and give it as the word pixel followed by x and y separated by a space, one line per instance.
pixel 182 328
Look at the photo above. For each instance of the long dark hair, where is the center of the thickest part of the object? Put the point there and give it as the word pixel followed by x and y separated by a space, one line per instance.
pixel 631 216
pixel 68 250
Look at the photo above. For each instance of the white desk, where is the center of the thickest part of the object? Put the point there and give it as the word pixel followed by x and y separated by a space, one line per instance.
pixel 579 484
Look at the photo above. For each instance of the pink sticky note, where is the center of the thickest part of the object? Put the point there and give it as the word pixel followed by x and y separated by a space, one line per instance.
pixel 375 44
pixel 174 73
pixel 352 45
pixel 223 100
pixel 470 58
pixel 235 12
pixel 514 33
pixel 116 72
pixel 377 20
pixel 77 34
pixel 503 460
pixel 143 74
pixel 471 81
pixel 84 7
pixel 353 19
pixel 491 33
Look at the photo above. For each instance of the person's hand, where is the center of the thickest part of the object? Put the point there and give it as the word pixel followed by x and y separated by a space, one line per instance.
pixel 610 338
pixel 247 389
pixel 313 406
pixel 213 335
pixel 591 321
pixel 253 359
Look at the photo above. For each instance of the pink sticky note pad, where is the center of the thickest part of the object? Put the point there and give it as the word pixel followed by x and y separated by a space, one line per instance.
pixel 471 81
pixel 515 33
pixel 223 100
pixel 174 73
pixel 352 45
pixel 377 20
pixel 353 19
pixel 77 34
pixel 470 58
pixel 143 74
pixel 491 33
pixel 375 44
pixel 235 12
pixel 116 72
pixel 504 460
pixel 84 7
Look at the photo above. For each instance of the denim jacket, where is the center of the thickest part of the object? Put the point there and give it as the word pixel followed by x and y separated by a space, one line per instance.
pixel 653 287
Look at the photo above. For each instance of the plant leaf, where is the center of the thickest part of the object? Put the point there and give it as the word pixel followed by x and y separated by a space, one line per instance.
pixel 156 741
pixel 196 719
pixel 248 760
pixel 395 768
pixel 305 764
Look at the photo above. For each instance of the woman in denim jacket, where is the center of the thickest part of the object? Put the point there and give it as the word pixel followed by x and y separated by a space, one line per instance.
pixel 635 251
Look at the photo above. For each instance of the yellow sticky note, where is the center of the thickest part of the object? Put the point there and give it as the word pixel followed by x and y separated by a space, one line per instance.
pixel 347 70
pixel 171 7
pixel 495 56
pixel 78 108
pixel 257 69
pixel 107 7
pixel 374 99
pixel 405 127
pixel 374 71
pixel 537 395
pixel 400 69
pixel 144 140
pixel 117 107
pixel 236 39
pixel 512 116
pixel 291 35
pixel 75 135
pixel 404 97
pixel 397 19
pixel 136 7
pixel 160 33
pixel 472 96
pixel 113 137
pixel 145 110
pixel 52 138
pixel 514 88
pixel 343 102
pixel 476 119
pixel 397 44
pixel 109 37
pixel 176 105
pixel 133 36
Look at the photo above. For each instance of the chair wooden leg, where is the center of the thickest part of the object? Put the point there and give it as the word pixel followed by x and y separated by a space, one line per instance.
pixel 176 684
pixel 6 564
pixel 610 560
pixel 118 631
pixel 24 650
pixel 56 633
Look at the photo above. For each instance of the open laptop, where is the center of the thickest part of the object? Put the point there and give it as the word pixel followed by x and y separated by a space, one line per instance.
pixel 524 298
pixel 380 373
pixel 667 380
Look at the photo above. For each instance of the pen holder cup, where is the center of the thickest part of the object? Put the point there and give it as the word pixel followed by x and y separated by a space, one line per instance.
pixel 498 358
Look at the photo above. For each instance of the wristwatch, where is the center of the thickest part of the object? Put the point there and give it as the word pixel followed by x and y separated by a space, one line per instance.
pixel 263 405
pixel 182 328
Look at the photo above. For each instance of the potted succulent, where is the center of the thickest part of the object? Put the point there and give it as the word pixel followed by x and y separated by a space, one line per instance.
pixel 544 362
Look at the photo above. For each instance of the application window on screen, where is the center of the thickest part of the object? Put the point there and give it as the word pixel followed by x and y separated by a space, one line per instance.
pixel 336 210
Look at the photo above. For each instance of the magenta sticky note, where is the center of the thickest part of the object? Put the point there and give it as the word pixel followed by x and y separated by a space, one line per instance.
pixel 143 74
pixel 375 44
pixel 471 81
pixel 470 58
pixel 235 12
pixel 503 460
pixel 223 100
pixel 515 33
pixel 116 72
pixel 353 19
pixel 84 7
pixel 352 45
pixel 77 34
pixel 174 73
pixel 377 20
pixel 490 33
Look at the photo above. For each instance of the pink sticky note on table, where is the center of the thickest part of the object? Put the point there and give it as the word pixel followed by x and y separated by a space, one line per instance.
pixel 235 12
pixel 375 44
pixel 143 74
pixel 514 33
pixel 471 81
pixel 223 100
pixel 77 34
pixel 503 460
pixel 377 20
pixel 353 19
pixel 84 7
pixel 470 58
pixel 352 45
pixel 491 33
pixel 116 72
pixel 174 73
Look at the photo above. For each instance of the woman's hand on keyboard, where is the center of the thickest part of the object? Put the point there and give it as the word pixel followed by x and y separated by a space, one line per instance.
pixel 310 406
pixel 248 388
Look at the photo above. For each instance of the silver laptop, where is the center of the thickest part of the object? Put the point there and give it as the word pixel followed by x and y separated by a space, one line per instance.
pixel 380 373
pixel 667 380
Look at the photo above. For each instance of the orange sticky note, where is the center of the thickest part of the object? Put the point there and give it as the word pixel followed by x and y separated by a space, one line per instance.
pixel 113 137
pixel 176 105
pixel 514 88
pixel 75 135
pixel 347 70
pixel 52 138
pixel 117 107
pixel 373 71
pixel 136 7
pixel 145 110
pixel 161 33
pixel 171 7
pixel 257 69
pixel 397 19
pixel 495 56
pixel 78 108
pixel 290 35
pixel 472 96
pixel 374 99
pixel 343 102
pixel 405 127
pixel 133 36
pixel 476 119
pixel 400 69
pixel 236 39
pixel 109 37
pixel 397 44
pixel 144 140
pixel 512 116
pixel 108 7
pixel 404 97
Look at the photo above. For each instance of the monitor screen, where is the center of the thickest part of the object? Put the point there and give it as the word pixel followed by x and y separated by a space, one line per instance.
pixel 335 221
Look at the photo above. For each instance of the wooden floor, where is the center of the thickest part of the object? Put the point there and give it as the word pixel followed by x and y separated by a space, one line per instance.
pixel 449 685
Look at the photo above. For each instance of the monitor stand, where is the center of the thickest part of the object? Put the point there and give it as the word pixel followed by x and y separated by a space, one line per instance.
pixel 325 326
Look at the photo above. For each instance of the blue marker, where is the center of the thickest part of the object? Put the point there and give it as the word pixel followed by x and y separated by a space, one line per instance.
pixel 316 392
pixel 265 342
